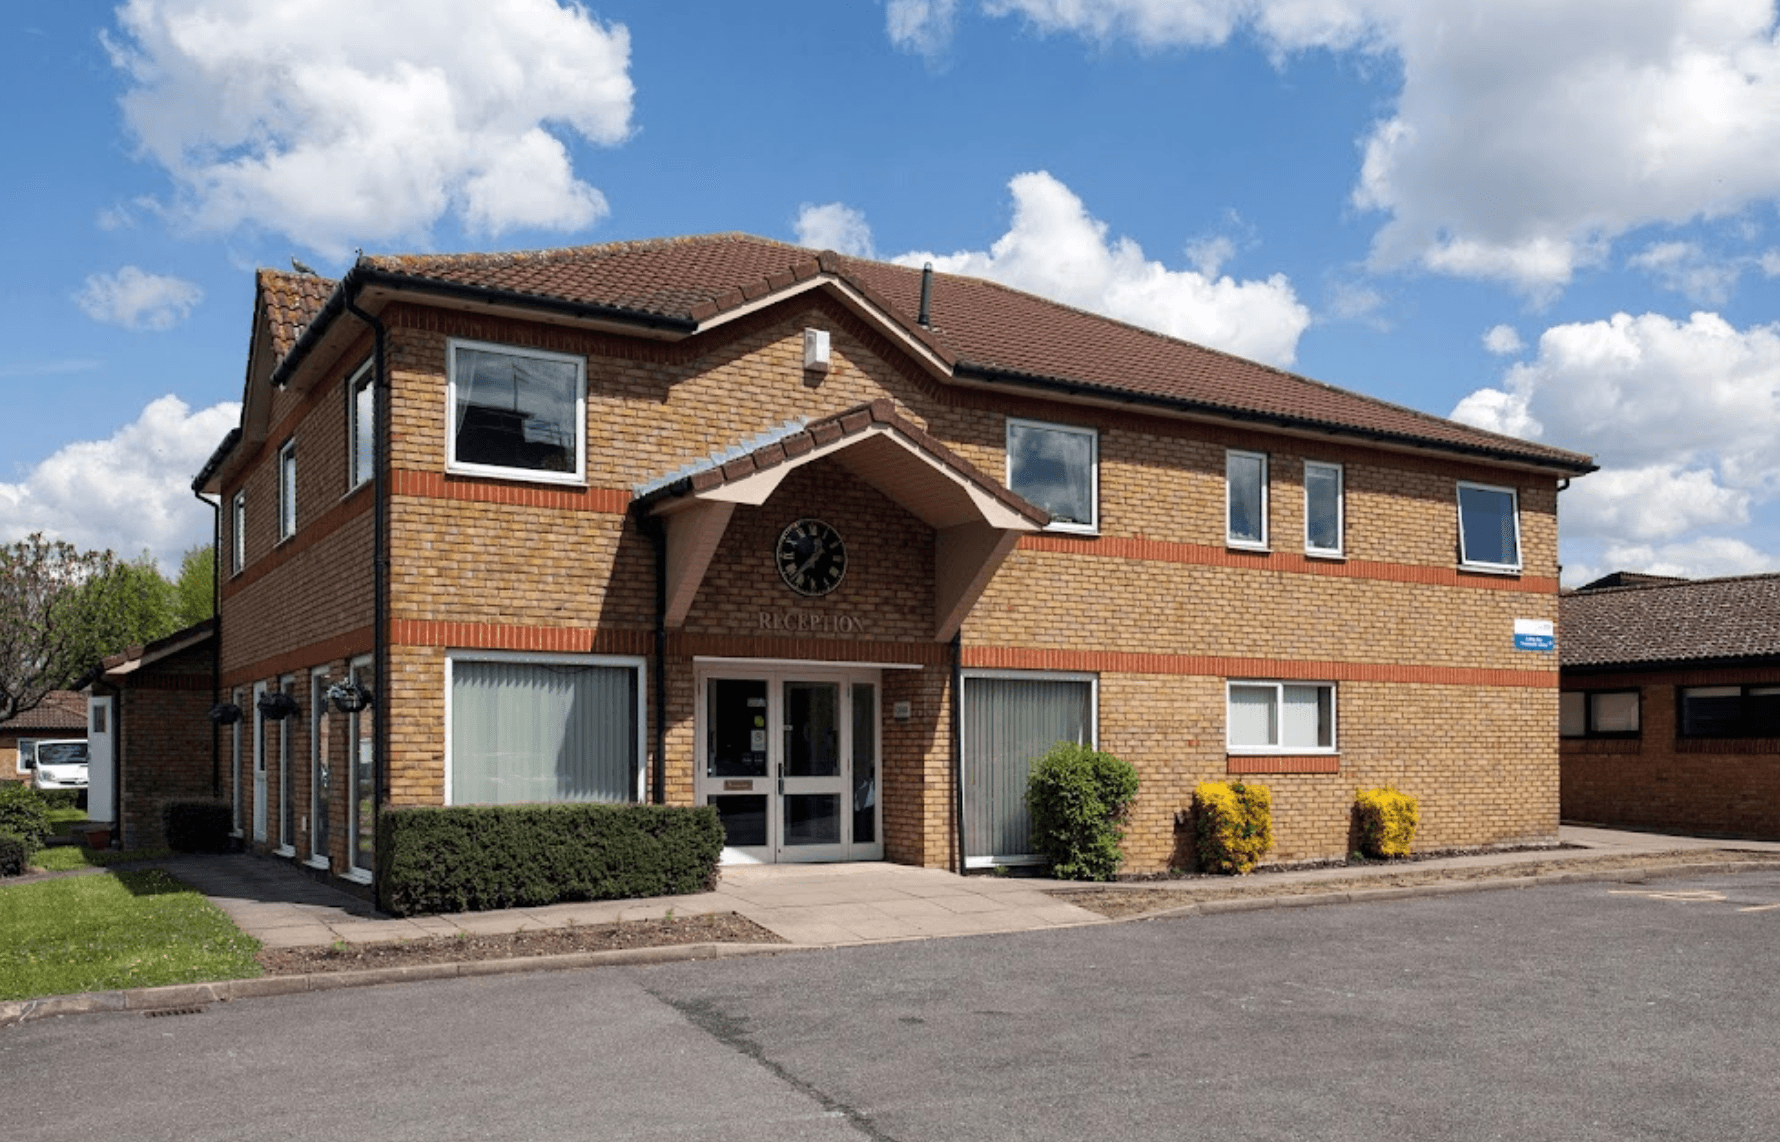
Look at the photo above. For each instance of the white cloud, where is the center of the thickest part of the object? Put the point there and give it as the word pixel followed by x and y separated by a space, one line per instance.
pixel 1687 270
pixel 1770 263
pixel 923 26
pixel 1703 558
pixel 128 492
pixel 834 226
pixel 337 122
pixel 1682 416
pixel 1055 248
pixel 1503 341
pixel 137 300
pixel 1528 134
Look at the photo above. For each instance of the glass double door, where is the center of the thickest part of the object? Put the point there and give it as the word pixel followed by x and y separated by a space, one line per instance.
pixel 790 760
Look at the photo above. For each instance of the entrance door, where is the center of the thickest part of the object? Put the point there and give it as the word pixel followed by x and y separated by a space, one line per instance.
pixel 101 762
pixel 790 760
pixel 259 763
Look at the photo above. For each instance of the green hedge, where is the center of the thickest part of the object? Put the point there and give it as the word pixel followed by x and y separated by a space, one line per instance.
pixel 198 826
pixel 15 854
pixel 23 814
pixel 473 858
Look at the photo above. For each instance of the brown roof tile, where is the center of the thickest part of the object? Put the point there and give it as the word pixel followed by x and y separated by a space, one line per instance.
pixel 979 325
pixel 1684 621
pixel 61 710
pixel 292 301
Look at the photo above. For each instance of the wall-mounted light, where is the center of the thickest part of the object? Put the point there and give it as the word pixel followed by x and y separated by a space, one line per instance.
pixel 276 705
pixel 225 713
pixel 349 697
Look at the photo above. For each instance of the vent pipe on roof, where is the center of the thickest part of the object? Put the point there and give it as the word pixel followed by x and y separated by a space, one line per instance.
pixel 925 319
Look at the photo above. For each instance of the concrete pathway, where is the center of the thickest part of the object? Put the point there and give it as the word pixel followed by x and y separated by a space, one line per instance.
pixel 812 905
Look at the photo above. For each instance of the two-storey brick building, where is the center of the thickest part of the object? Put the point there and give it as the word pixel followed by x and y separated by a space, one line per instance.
pixel 840 547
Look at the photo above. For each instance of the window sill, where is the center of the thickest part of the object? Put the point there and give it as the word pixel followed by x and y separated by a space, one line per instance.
pixel 1489 569
pixel 1243 764
pixel 1327 556
pixel 1083 530
pixel 356 875
pixel 283 539
pixel 517 475
pixel 1248 548
pixel 284 851
pixel 317 862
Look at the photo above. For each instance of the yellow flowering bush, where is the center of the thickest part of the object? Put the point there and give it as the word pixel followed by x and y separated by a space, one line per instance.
pixel 1387 820
pixel 1234 824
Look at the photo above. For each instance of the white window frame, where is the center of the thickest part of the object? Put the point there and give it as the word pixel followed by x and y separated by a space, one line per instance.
pixel 1283 750
pixel 529 475
pixel 1093 681
pixel 1340 547
pixel 1465 559
pixel 1092 527
pixel 238 541
pixel 287 489
pixel 638 663
pixel 237 801
pixel 1230 539
pixel 361 378
pixel 318 697
pixel 286 810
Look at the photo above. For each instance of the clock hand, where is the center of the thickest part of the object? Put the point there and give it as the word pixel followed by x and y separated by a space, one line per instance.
pixel 811 561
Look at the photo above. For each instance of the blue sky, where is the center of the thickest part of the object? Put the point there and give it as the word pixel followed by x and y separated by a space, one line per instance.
pixel 1509 210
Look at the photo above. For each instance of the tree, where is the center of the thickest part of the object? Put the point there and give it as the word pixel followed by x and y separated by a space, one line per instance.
pixel 129 604
pixel 48 589
pixel 194 592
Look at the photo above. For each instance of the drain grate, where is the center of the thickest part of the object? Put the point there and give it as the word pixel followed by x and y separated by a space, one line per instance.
pixel 160 1011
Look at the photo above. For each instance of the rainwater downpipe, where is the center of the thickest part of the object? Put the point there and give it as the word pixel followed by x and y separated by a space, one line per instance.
pixel 379 555
pixel 215 643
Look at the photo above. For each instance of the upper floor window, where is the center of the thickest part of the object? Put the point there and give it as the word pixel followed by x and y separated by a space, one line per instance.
pixel 287 490
pixel 516 412
pixel 238 533
pixel 1598 713
pixel 1489 528
pixel 1245 498
pixel 1322 508
pixel 1729 712
pixel 1057 468
pixel 1281 717
pixel 361 416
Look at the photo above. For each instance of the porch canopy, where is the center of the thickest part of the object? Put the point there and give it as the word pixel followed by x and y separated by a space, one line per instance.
pixel 976 521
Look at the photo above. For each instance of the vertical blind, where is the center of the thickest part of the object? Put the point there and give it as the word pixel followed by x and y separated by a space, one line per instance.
pixel 526 732
pixel 1009 723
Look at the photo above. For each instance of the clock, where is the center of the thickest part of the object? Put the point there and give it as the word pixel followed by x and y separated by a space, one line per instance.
pixel 811 557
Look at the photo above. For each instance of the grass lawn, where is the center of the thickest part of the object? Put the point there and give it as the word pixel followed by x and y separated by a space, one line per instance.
pixel 61 819
pixel 61 858
pixel 115 930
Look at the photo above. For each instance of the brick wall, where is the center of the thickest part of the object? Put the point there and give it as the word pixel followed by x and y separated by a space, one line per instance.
pixel 1661 780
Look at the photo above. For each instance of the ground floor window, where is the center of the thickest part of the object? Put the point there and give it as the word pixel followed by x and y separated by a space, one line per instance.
pixel 361 735
pixel 1009 722
pixel 1729 712
pixel 535 729
pixel 1598 713
pixel 1281 717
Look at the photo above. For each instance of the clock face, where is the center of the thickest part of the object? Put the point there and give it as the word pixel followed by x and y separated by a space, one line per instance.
pixel 812 559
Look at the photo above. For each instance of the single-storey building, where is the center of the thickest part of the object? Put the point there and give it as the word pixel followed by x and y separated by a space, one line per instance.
pixel 1671 704
pixel 839 547
pixel 62 714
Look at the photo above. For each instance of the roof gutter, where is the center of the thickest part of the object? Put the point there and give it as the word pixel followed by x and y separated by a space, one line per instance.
pixel 363 276
pixel 1667 665
pixel 1221 412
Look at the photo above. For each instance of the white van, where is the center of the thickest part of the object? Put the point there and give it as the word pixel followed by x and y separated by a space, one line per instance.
pixel 58 763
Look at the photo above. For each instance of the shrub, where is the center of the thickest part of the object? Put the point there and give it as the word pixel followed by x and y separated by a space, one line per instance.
pixel 198 826
pixel 62 798
pixel 1234 824
pixel 23 813
pixel 15 854
pixel 1080 799
pixel 1387 821
pixel 476 857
